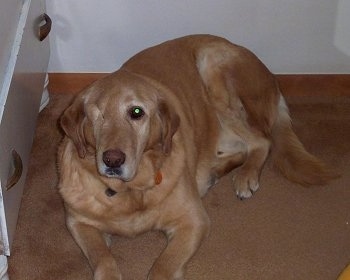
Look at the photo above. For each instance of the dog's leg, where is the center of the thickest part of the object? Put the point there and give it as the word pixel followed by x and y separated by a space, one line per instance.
pixel 246 179
pixel 245 102
pixel 94 245
pixel 223 165
pixel 241 146
pixel 183 241
pixel 228 163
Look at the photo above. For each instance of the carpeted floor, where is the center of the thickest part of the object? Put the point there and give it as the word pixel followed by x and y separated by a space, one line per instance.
pixel 284 232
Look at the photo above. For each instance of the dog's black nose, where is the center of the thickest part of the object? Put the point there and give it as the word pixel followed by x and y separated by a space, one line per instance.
pixel 113 158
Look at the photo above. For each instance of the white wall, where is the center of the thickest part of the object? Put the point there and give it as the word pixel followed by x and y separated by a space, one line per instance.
pixel 299 36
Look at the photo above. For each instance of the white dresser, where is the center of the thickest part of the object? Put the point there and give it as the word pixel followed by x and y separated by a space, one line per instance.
pixel 24 56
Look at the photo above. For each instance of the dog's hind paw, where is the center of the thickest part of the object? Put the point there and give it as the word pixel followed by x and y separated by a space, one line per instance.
pixel 245 186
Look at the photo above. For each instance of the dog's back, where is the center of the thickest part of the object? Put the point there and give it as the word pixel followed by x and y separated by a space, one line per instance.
pixel 247 102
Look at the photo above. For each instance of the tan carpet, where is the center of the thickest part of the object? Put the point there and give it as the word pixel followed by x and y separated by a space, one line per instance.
pixel 284 232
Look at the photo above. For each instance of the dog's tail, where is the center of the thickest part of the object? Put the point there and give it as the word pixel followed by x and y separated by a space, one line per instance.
pixel 290 156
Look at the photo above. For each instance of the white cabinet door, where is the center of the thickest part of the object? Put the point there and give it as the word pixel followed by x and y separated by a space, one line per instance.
pixel 9 16
pixel 21 106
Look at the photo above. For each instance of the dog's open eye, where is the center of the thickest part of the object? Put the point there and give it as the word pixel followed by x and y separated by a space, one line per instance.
pixel 136 113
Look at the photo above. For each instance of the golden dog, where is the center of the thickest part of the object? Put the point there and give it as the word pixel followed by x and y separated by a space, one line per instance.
pixel 144 144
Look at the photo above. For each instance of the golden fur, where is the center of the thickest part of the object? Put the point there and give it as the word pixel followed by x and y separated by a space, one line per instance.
pixel 144 144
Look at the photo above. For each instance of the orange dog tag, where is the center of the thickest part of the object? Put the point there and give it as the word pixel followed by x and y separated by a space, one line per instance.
pixel 158 177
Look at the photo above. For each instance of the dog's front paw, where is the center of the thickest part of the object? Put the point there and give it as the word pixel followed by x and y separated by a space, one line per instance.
pixel 245 185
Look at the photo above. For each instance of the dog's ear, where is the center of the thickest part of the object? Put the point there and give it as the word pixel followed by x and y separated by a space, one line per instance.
pixel 170 122
pixel 164 124
pixel 72 122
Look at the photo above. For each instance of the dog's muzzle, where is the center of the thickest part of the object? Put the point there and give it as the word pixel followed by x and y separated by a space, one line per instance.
pixel 113 159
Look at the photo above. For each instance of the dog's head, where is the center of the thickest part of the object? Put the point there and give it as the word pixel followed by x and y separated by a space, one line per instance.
pixel 119 118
